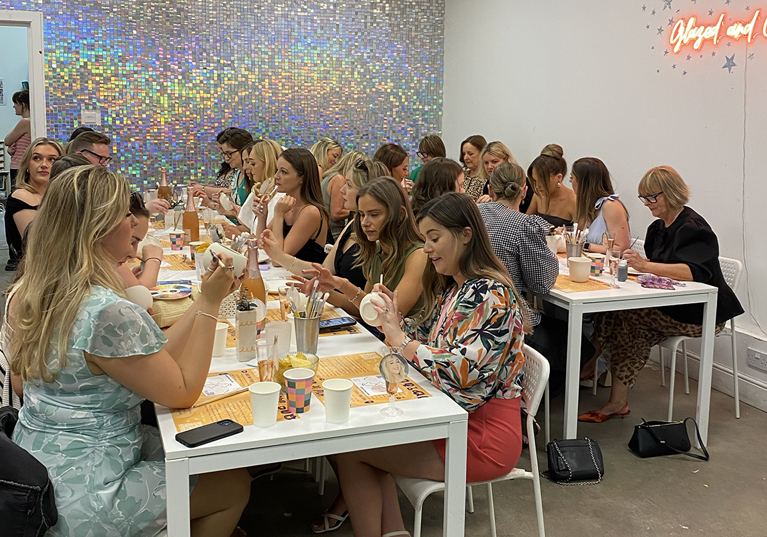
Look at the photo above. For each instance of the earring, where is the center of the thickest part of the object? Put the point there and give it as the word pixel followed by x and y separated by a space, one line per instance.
pixel 559 184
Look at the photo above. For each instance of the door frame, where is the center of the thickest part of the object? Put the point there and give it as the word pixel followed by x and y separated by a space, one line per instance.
pixel 33 21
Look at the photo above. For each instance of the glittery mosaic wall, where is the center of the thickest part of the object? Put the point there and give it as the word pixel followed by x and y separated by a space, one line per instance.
pixel 168 75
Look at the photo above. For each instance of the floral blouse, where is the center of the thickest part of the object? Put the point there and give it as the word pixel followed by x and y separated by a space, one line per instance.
pixel 471 349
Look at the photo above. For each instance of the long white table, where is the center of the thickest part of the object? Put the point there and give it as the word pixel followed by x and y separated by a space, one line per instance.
pixel 631 295
pixel 310 436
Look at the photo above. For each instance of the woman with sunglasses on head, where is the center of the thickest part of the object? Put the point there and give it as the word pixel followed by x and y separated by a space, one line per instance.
pixel 87 364
pixel 31 184
pixel 553 201
pixel 332 182
pixel 300 222
pixel 467 340
pixel 390 248
pixel 679 245
pixel 598 207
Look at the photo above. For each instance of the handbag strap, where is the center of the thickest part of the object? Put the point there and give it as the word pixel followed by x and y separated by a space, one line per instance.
pixel 703 457
pixel 569 481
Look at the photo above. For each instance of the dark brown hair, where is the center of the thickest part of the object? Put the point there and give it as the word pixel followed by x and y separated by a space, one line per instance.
pixel 550 162
pixel 87 140
pixel 437 177
pixel 305 165
pixel 477 140
pixel 64 163
pixel 391 155
pixel 432 145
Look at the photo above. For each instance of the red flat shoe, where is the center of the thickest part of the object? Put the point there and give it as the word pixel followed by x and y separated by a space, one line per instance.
pixel 592 416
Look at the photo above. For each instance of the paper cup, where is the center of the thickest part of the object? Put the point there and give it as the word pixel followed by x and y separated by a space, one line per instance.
pixel 338 398
pixel 264 400
pixel 299 384
pixel 597 264
pixel 219 344
pixel 176 239
pixel 368 311
pixel 580 268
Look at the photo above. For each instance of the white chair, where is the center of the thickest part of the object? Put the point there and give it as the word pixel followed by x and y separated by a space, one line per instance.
pixel 534 383
pixel 732 269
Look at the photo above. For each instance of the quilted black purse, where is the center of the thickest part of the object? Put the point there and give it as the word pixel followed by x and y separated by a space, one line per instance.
pixel 658 438
pixel 575 462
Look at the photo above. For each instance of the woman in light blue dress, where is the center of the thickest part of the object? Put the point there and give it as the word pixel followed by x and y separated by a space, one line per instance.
pixel 88 357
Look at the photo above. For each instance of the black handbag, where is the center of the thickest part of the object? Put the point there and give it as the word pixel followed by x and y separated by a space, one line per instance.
pixel 575 460
pixel 658 438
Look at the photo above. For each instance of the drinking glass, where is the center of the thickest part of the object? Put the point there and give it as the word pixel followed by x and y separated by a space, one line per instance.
pixel 615 259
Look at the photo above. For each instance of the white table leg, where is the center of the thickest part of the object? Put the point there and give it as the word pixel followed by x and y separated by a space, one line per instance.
pixel 177 491
pixel 454 515
pixel 706 367
pixel 573 372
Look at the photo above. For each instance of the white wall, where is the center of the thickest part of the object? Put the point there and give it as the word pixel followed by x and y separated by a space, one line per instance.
pixel 14 68
pixel 593 78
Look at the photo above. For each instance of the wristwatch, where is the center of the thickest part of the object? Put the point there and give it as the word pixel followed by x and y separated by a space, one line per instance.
pixel 586 246
pixel 405 341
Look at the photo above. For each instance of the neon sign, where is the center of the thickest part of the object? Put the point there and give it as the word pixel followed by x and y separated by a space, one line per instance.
pixel 686 32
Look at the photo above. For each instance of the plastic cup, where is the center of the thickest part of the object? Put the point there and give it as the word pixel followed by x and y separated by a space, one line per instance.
pixel 299 383
pixel 176 239
pixel 307 334
pixel 283 331
pixel 580 268
pixel 264 400
pixel 219 344
pixel 338 398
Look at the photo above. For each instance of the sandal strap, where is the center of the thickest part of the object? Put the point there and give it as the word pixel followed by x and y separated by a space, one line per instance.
pixel 396 533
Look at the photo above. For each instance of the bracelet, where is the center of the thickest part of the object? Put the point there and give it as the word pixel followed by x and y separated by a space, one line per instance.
pixel 356 295
pixel 155 258
pixel 207 315
pixel 405 341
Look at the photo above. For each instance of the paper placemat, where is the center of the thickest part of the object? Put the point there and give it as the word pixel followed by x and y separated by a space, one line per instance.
pixel 567 285
pixel 177 262
pixel 236 408
pixel 362 370
pixel 327 313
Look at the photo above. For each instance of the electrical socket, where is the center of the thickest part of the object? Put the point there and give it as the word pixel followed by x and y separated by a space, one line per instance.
pixel 757 359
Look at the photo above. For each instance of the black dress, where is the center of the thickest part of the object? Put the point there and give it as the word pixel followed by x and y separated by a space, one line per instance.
pixel 311 251
pixel 12 235
pixel 345 261
pixel 690 240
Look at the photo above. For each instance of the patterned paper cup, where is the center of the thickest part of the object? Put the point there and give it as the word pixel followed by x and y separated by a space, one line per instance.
pixel 176 240
pixel 597 264
pixel 299 383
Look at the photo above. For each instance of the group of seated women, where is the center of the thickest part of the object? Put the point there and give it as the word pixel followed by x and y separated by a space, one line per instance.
pixel 451 274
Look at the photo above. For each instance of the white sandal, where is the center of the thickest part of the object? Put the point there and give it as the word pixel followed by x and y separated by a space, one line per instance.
pixel 327 527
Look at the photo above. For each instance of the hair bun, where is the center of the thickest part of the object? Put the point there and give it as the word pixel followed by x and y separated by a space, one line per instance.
pixel 511 191
pixel 554 151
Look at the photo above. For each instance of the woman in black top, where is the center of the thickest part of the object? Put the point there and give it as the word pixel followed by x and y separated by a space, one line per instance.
pixel 679 245
pixel 342 259
pixel 31 184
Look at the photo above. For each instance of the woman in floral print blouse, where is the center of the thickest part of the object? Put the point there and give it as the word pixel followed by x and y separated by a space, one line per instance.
pixel 468 342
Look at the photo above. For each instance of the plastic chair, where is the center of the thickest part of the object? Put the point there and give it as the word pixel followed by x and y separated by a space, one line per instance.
pixel 534 382
pixel 732 269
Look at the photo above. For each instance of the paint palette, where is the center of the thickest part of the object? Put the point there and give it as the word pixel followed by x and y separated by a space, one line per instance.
pixel 171 291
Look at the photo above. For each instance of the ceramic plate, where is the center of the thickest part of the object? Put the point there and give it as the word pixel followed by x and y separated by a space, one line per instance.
pixel 171 291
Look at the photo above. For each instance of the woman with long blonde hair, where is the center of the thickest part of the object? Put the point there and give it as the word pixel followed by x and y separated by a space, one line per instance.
pixel 326 152
pixel 332 182
pixel 87 358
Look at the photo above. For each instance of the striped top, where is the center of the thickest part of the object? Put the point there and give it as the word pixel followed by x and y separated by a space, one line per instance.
pixel 21 146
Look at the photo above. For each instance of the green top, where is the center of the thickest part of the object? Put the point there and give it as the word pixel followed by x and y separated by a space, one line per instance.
pixel 394 274
pixel 414 174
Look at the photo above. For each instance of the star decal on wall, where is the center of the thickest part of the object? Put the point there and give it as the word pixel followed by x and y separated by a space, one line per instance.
pixel 689 57
pixel 660 30
pixel 665 52
pixel 673 66
pixel 726 2
pixel 730 63
pixel 653 12
pixel 710 12
pixel 648 26
pixel 684 73
pixel 670 21
pixel 714 54
pixel 667 4
pixel 748 8
pixel 644 8
pixel 751 56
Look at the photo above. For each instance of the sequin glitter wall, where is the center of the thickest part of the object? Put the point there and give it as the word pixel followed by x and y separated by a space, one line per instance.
pixel 167 76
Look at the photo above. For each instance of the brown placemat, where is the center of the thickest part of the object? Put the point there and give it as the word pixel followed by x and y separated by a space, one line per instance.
pixel 177 262
pixel 567 285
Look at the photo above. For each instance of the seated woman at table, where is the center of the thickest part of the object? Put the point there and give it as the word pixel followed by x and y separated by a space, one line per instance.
pixel 300 221
pixel 332 182
pixel 263 165
pixel 438 176
pixel 598 207
pixel 492 155
pixel 553 201
pixel 390 247
pixel 468 342
pixel 326 152
pixel 342 259
pixel 232 142
pixel 87 364
pixel 395 158
pixel 679 245
pixel 31 184
pixel 151 254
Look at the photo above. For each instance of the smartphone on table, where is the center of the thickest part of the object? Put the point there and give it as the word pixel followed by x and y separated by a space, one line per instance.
pixel 209 433
pixel 338 322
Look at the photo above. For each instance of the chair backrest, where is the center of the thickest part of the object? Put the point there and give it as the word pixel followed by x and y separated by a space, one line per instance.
pixel 535 378
pixel 639 247
pixel 732 269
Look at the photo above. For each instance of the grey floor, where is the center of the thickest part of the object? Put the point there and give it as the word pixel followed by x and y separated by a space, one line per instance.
pixel 676 495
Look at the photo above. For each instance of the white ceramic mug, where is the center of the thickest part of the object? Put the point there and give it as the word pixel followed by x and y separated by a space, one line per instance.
pixel 580 268
pixel 368 311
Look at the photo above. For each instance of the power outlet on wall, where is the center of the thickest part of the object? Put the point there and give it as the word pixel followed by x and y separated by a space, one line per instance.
pixel 757 359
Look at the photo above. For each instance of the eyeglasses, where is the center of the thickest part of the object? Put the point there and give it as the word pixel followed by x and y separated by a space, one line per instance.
pixel 650 198
pixel 102 159
pixel 360 165
pixel 421 154
pixel 228 154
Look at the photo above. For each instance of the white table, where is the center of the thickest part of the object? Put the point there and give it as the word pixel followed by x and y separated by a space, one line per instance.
pixel 310 436
pixel 631 295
